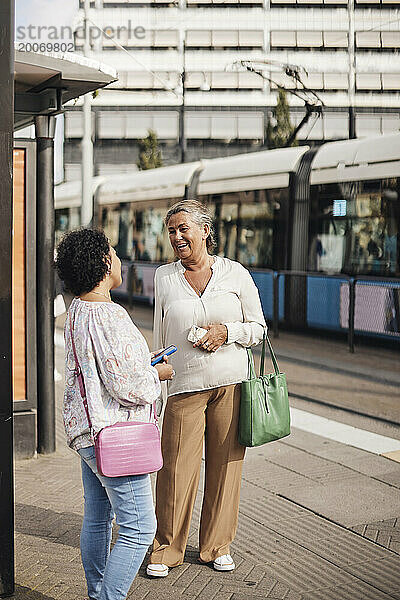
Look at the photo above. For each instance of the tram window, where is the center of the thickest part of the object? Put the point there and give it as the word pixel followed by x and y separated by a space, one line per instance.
pixel 250 226
pixel 137 232
pixel 355 227
pixel 110 224
pixel 256 237
pixel 227 230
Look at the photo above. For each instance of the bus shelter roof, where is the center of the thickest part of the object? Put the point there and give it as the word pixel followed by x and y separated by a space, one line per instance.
pixel 45 82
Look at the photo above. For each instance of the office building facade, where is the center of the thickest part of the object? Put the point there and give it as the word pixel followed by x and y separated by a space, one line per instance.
pixel 178 62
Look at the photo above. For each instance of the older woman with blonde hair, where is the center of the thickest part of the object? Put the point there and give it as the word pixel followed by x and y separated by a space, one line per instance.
pixel 218 295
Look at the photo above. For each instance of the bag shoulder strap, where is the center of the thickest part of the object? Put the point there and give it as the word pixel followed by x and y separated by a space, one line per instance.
pixel 78 372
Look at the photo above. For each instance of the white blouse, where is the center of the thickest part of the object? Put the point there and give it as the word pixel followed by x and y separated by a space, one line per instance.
pixel 114 358
pixel 231 298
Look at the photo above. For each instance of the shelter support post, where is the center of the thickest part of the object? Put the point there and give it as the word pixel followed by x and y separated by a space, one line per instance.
pixel 6 395
pixel 45 127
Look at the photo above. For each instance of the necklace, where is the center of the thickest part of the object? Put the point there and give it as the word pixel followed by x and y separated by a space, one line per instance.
pixel 100 294
pixel 204 282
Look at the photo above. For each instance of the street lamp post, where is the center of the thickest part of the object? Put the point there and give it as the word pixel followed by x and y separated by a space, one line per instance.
pixel 352 70
pixel 182 134
pixel 87 141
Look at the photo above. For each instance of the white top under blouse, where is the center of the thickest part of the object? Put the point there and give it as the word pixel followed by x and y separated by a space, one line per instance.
pixel 231 297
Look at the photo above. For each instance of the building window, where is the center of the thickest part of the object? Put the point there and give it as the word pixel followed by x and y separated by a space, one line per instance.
pixel 308 2
pixel 224 125
pixel 145 80
pixel 226 3
pixel 313 81
pixel 386 40
pixel 224 38
pixel 368 39
pixel 222 80
pixel 136 124
pixel 156 39
pixel 309 39
pixel 125 3
pixel 368 81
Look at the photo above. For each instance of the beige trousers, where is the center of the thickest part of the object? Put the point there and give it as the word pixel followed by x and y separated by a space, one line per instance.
pixel 189 418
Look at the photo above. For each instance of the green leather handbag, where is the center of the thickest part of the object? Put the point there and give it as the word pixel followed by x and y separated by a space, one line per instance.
pixel 264 404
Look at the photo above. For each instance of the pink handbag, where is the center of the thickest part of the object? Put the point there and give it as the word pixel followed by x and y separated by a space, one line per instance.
pixel 127 448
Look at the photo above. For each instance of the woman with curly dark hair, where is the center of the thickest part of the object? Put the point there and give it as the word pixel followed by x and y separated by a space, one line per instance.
pixel 121 385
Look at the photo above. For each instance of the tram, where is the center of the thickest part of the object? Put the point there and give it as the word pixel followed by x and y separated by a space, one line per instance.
pixel 315 218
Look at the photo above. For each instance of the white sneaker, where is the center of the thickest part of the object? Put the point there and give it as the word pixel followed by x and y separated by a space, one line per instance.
pixel 224 563
pixel 157 570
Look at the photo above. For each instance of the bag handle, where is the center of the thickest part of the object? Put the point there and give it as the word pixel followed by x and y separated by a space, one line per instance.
pixel 252 370
pixel 250 359
pixel 81 381
pixel 272 354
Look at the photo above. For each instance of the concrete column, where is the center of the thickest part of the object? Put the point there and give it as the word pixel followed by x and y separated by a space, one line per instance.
pixel 45 128
pixel 6 395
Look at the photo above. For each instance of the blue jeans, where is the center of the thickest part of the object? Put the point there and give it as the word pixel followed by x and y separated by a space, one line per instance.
pixel 109 575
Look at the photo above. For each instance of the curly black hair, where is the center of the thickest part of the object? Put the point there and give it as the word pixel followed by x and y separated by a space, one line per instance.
pixel 83 259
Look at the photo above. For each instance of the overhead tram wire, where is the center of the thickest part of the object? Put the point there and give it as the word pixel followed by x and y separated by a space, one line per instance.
pixel 313 125
pixel 317 108
pixel 312 102
pixel 167 87
pixel 295 74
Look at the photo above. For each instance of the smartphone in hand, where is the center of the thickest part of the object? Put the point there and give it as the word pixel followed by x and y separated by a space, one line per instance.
pixel 165 352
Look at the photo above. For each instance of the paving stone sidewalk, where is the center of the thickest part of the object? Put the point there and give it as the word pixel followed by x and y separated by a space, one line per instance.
pixel 282 550
pixel 318 521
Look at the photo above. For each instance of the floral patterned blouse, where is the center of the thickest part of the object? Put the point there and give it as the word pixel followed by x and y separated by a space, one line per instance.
pixel 121 384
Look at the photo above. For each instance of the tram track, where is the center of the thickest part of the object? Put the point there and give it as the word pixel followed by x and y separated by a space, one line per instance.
pixel 336 367
pixel 330 385
pixel 353 411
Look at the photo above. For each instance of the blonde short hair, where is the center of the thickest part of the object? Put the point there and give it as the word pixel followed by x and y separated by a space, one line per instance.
pixel 199 213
